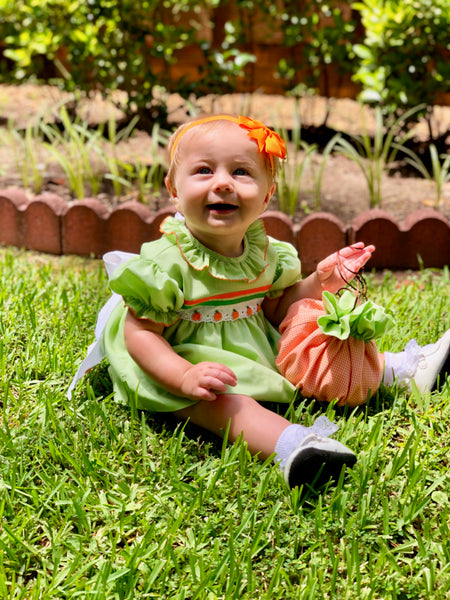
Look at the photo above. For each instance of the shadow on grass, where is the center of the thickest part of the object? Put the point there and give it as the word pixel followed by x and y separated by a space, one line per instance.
pixel 99 380
pixel 166 425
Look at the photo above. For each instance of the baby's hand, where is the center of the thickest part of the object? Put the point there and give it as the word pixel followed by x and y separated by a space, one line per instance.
pixel 334 271
pixel 204 380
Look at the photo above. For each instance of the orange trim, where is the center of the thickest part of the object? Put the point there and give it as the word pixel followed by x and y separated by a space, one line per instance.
pixel 231 295
pixel 148 319
pixel 222 278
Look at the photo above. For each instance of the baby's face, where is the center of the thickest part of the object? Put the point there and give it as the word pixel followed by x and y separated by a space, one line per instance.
pixel 221 185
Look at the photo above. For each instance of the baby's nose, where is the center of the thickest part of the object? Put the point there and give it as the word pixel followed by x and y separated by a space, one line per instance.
pixel 222 182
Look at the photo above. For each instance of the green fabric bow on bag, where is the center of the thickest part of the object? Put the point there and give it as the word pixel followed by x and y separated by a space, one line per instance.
pixel 365 321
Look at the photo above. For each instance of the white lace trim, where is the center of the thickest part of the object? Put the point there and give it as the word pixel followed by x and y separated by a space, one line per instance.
pixel 293 435
pixel 323 426
pixel 402 365
pixel 218 314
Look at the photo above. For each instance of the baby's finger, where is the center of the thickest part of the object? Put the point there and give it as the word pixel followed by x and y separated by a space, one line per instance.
pixel 328 263
pixel 206 394
pixel 356 249
pixel 356 263
pixel 223 373
pixel 361 246
pixel 228 377
pixel 214 383
pixel 351 251
pixel 226 380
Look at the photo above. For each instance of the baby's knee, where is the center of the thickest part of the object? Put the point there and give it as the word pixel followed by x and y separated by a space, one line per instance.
pixel 235 403
pixel 215 414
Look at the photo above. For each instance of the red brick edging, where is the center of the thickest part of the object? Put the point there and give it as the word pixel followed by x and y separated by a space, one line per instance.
pixel 88 228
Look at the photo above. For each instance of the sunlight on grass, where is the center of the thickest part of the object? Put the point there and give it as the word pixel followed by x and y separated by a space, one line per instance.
pixel 99 500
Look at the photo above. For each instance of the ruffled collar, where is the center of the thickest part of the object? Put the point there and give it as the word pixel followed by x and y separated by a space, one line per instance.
pixel 246 267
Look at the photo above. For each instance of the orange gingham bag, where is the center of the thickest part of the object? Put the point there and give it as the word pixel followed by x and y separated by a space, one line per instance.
pixel 323 366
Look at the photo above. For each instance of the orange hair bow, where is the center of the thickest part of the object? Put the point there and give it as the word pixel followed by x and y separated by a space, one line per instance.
pixel 268 140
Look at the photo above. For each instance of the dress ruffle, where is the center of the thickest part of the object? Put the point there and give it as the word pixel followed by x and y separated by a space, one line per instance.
pixel 247 267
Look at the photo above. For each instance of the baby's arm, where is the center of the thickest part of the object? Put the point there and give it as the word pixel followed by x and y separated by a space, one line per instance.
pixel 157 358
pixel 331 274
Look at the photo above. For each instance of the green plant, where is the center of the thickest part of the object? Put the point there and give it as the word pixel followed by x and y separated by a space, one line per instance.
pixel 440 171
pixel 374 156
pixel 73 148
pixel 108 45
pixel 324 33
pixel 318 175
pixel 115 170
pixel 29 163
pixel 403 58
pixel 149 178
pixel 293 168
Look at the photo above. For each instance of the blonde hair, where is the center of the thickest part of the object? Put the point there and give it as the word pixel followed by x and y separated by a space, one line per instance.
pixel 208 123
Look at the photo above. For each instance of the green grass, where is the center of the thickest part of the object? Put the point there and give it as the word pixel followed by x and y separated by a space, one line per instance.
pixel 101 501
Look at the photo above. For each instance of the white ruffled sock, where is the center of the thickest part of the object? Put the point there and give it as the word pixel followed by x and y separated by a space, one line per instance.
pixel 401 366
pixel 428 366
pixel 293 434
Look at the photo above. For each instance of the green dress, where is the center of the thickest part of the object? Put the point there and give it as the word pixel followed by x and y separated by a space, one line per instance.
pixel 211 308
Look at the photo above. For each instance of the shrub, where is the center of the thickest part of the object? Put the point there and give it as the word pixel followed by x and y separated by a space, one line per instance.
pixel 397 50
pixel 108 45
pixel 324 33
pixel 404 57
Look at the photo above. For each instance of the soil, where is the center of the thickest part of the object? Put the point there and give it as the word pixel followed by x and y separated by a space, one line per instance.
pixel 344 191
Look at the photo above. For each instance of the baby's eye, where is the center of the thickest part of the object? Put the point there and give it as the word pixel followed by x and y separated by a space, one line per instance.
pixel 204 171
pixel 241 171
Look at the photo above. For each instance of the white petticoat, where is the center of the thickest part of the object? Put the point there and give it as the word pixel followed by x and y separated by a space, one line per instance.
pixel 95 352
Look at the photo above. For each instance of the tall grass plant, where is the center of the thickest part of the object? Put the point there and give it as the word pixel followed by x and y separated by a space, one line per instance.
pixel 439 172
pixel 290 176
pixel 375 156
pixel 73 147
pixel 87 156
pixel 29 162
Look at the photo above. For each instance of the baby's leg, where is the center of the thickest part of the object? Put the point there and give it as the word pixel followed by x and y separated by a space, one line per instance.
pixel 305 456
pixel 260 427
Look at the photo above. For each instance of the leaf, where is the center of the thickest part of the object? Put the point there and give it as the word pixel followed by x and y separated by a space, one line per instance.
pixel 362 51
pixel 20 56
pixel 440 498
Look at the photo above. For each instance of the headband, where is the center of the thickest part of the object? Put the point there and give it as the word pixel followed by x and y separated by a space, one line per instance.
pixel 268 140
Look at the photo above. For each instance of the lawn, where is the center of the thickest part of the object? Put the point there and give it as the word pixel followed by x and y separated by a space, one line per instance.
pixel 101 501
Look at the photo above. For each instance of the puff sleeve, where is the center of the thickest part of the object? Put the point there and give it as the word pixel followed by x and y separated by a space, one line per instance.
pixel 288 268
pixel 150 292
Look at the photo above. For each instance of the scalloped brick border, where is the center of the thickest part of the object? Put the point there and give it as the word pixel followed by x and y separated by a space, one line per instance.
pixel 88 228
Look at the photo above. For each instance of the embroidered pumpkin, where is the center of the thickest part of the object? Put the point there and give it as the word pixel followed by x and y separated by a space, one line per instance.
pixel 235 314
pixel 197 316
pixel 217 316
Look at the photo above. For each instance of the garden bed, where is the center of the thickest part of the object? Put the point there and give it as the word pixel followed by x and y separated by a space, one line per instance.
pixel 406 228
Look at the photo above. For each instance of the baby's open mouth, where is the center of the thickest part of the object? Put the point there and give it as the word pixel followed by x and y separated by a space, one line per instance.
pixel 222 207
